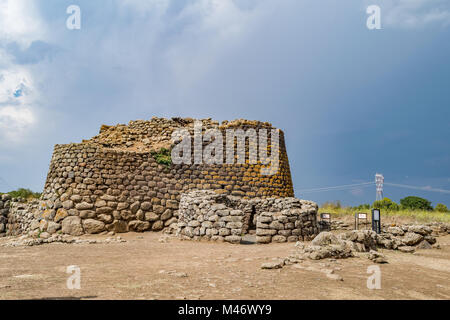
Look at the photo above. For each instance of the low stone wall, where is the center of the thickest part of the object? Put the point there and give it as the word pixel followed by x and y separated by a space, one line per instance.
pixel 207 215
pixel 5 203
pixel 17 215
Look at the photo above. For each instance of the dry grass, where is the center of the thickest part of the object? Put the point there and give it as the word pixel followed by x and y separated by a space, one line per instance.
pixel 419 216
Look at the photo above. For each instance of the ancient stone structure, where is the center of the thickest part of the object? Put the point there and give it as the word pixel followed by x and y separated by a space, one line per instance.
pixel 115 181
pixel 219 217
pixel 17 215
pixel 207 215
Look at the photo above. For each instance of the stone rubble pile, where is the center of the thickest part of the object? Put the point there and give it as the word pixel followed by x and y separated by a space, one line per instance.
pixel 407 238
pixel 45 238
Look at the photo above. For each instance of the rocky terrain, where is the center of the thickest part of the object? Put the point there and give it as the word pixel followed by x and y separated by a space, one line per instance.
pixel 157 266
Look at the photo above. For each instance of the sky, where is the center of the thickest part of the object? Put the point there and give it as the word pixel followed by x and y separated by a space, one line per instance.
pixel 351 101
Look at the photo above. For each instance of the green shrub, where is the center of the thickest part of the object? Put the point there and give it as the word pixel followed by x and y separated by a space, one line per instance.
pixel 24 193
pixel 386 204
pixel 365 206
pixel 441 208
pixel 332 204
pixel 416 203
pixel 163 157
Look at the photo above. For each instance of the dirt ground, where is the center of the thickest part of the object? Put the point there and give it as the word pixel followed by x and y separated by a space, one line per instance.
pixel 145 268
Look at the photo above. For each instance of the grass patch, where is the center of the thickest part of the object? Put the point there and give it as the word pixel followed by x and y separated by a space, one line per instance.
pixel 163 157
pixel 418 215
pixel 24 193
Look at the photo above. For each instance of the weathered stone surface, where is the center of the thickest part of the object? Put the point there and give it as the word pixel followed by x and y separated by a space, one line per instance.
pixel 118 226
pixel 68 204
pixel 92 226
pixel 278 264
pixel 146 206
pixel 60 215
pixel 135 207
pixel 106 218
pixel 72 226
pixel 411 238
pixel 157 225
pixel 53 227
pixel 424 245
pixel 396 231
pixel 325 238
pixel 104 210
pixel 151 216
pixel 84 206
pixel 377 257
pixel 406 249
pixel 138 226
pixel 87 214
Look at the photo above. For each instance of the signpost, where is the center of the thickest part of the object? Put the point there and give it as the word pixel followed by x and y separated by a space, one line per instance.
pixel 360 218
pixel 376 220
pixel 325 221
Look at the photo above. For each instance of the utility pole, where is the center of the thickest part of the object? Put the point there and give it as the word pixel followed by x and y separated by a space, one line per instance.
pixel 379 180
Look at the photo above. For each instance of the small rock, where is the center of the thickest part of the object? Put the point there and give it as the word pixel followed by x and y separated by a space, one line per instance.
pixel 334 276
pixel 406 249
pixel 424 245
pixel 273 265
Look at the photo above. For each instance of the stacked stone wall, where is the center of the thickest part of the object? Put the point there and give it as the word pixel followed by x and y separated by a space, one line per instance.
pixel 17 215
pixel 206 215
pixel 113 182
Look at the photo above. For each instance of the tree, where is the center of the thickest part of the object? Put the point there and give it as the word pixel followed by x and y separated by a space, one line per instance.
pixel 386 204
pixel 416 203
pixel 441 208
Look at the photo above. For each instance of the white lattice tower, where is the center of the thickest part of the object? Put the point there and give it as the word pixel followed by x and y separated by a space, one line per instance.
pixel 379 180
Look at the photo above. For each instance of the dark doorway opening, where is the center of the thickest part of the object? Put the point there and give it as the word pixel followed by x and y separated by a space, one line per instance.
pixel 249 236
pixel 252 222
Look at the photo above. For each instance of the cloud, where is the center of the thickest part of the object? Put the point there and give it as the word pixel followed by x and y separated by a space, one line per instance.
pixel 20 22
pixel 22 31
pixel 414 13
pixel 18 100
pixel 14 122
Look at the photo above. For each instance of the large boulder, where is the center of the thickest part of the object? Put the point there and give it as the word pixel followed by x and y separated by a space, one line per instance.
pixel 363 240
pixel 72 226
pixel 325 238
pixel 422 230
pixel 138 226
pixel 396 231
pixel 53 227
pixel 411 238
pixel 118 226
pixel 92 226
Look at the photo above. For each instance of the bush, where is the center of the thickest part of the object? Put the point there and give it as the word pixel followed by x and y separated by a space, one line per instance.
pixel 386 204
pixel 416 203
pixel 163 157
pixel 365 206
pixel 441 208
pixel 25 194
pixel 332 204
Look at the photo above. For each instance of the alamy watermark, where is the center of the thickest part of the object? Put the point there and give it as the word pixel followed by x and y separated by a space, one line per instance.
pixel 74 280
pixel 235 139
pixel 73 22
pixel 374 20
pixel 374 281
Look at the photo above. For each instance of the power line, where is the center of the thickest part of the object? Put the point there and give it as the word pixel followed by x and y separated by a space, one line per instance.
pixel 417 188
pixel 337 188
pixel 369 184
